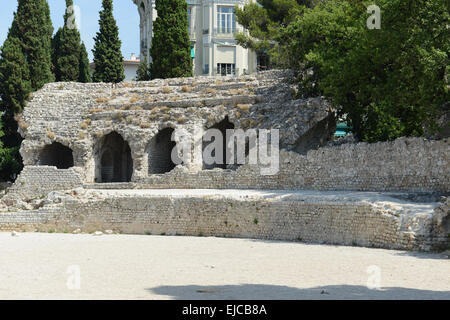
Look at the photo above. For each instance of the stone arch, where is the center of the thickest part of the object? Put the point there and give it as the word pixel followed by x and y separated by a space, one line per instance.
pixel 56 155
pixel 160 152
pixel 222 126
pixel 114 161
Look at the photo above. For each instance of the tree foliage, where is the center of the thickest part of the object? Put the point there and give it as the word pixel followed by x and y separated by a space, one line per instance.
pixel 9 164
pixel 33 27
pixel 15 82
pixel 108 57
pixel 171 47
pixel 67 50
pixel 85 73
pixel 143 72
pixel 25 66
pixel 389 81
pixel 264 21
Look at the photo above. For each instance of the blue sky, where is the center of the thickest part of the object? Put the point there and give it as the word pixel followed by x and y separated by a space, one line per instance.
pixel 125 12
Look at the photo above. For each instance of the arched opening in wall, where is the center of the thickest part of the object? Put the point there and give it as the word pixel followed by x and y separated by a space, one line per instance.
pixel 222 126
pixel 115 161
pixel 316 137
pixel 56 155
pixel 160 152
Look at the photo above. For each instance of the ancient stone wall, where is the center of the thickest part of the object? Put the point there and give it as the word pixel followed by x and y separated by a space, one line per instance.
pixel 365 219
pixel 35 183
pixel 116 133
pixel 80 116
pixel 407 164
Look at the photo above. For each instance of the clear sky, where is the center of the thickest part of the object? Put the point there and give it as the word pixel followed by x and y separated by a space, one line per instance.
pixel 125 12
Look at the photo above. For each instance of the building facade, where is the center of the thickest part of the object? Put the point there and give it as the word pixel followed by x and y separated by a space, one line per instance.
pixel 212 30
pixel 130 67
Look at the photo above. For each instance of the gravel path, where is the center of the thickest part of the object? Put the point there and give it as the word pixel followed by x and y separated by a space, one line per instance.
pixel 45 266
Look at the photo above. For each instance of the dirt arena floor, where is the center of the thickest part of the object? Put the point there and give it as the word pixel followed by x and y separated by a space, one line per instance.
pixel 67 266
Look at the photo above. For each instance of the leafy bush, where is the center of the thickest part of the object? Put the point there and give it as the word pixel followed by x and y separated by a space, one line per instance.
pixel 389 82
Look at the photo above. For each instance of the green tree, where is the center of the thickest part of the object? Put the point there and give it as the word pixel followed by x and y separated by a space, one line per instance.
pixel 33 27
pixel 85 73
pixel 171 47
pixel 389 82
pixel 108 58
pixel 9 164
pixel 143 72
pixel 15 84
pixel 264 20
pixel 66 46
pixel 25 66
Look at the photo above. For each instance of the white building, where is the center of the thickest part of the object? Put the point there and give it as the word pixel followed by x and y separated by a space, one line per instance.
pixel 130 67
pixel 212 27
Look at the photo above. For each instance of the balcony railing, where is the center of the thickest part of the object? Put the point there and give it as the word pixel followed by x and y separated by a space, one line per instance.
pixel 234 72
pixel 225 33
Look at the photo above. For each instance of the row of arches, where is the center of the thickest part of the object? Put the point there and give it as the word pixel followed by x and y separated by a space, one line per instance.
pixel 113 159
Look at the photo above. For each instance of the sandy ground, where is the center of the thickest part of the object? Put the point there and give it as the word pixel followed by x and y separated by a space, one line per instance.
pixel 65 266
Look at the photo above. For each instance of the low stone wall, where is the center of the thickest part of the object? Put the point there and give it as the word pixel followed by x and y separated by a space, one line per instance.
pixel 407 164
pixel 365 219
pixel 37 182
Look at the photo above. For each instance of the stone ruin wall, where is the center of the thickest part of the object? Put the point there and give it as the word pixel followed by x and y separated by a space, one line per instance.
pixel 407 164
pixel 79 116
pixel 317 217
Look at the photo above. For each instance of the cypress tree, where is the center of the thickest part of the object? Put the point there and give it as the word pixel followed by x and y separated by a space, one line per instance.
pixel 15 88
pixel 85 74
pixel 9 164
pixel 56 40
pixel 15 84
pixel 66 46
pixel 34 29
pixel 142 73
pixel 171 47
pixel 108 57
pixel 25 66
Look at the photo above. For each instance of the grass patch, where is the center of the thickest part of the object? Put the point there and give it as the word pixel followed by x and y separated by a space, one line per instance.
pixel 186 89
pixel 50 134
pixel 82 135
pixel 145 125
pixel 245 108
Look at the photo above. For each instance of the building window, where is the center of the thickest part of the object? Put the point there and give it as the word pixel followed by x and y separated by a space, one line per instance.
pixel 226 69
pixel 226 21
pixel 189 19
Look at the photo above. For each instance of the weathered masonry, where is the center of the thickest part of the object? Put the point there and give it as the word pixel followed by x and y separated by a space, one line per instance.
pixel 98 156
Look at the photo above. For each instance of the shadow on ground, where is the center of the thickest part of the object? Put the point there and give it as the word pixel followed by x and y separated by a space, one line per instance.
pixel 423 255
pixel 272 292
